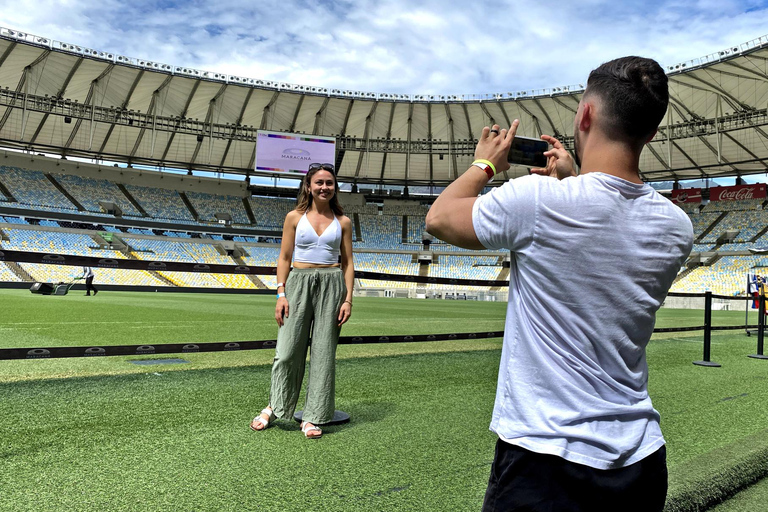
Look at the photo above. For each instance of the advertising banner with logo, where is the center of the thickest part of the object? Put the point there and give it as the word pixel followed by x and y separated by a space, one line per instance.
pixel 738 193
pixel 292 152
pixel 686 195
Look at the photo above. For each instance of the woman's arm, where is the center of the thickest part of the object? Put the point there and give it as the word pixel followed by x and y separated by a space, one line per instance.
pixel 284 263
pixel 348 267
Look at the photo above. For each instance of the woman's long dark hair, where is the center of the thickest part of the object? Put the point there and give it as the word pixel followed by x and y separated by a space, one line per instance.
pixel 304 200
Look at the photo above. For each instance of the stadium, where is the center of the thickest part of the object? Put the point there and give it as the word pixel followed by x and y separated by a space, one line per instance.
pixel 148 172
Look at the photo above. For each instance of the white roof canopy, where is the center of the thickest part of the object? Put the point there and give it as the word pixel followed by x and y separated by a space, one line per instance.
pixel 64 99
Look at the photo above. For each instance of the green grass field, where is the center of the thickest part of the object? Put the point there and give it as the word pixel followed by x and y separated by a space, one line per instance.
pixel 103 433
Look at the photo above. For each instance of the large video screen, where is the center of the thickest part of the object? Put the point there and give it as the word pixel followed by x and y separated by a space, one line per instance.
pixel 278 152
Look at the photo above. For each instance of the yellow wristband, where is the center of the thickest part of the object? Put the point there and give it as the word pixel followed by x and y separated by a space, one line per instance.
pixel 488 163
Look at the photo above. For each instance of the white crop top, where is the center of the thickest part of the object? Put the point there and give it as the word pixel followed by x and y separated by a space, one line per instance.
pixel 321 249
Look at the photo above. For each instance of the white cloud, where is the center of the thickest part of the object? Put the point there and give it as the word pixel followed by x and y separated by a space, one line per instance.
pixel 393 45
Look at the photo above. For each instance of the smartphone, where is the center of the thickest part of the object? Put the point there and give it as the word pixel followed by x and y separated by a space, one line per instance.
pixel 528 152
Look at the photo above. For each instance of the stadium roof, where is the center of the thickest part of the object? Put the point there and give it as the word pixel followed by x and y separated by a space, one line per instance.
pixel 66 99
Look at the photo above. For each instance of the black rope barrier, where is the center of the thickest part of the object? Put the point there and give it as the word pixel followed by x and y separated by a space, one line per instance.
pixel 186 348
pixel 175 348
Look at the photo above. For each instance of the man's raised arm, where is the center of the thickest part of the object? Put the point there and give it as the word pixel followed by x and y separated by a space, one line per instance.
pixel 450 217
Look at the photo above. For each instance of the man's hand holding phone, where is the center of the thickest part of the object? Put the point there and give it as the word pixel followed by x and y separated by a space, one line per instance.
pixel 559 161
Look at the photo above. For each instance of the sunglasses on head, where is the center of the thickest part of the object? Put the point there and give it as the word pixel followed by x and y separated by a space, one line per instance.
pixel 325 167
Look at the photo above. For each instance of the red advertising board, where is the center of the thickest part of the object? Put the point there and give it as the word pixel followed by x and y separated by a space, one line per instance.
pixel 737 193
pixel 686 195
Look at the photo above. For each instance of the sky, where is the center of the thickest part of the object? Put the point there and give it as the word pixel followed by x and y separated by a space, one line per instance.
pixel 394 46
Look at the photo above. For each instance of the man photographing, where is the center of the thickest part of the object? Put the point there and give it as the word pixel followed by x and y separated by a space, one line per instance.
pixel 577 430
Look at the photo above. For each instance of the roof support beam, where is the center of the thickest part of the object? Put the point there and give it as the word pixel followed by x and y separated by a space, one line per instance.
pixel 760 74
pixel 346 119
pixel 504 113
pixel 389 136
pixel 535 119
pixel 366 136
pixel 22 82
pixel 677 105
pixel 408 145
pixel 88 101
pixel 319 115
pixel 208 121
pixel 658 157
pixel 59 94
pixel 487 113
pixel 7 52
pixel 183 114
pixel 267 110
pixel 694 164
pixel 234 128
pixel 555 131
pixel 732 100
pixel 124 106
pixel 562 104
pixel 429 137
pixel 296 113
pixel 742 146
pixel 451 155
pixel 469 123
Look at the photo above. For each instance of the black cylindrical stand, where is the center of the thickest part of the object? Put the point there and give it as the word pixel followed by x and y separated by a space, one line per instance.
pixel 760 328
pixel 339 417
pixel 707 332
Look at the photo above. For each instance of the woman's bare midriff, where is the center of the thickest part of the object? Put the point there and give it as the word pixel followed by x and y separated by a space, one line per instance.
pixel 301 264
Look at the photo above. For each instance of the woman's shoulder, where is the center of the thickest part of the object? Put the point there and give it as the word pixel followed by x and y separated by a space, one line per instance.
pixel 295 215
pixel 292 218
pixel 344 220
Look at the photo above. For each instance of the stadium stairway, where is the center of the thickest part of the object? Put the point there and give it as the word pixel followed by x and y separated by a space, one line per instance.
pixel 358 230
pixel 711 227
pixel 154 273
pixel 166 279
pixel 20 272
pixel 132 199
pixel 682 275
pixel 99 240
pixel 503 274
pixel 759 234
pixel 7 193
pixel 254 279
pixel 189 206
pixel 64 191
pixel 249 211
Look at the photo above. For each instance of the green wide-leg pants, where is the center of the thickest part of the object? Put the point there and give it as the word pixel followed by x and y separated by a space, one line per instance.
pixel 314 298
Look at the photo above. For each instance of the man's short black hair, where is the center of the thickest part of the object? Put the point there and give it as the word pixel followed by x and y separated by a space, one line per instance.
pixel 634 93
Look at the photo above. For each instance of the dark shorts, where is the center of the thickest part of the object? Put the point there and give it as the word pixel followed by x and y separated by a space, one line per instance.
pixel 522 480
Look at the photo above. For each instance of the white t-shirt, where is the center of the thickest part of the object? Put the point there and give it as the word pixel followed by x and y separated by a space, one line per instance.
pixel 593 258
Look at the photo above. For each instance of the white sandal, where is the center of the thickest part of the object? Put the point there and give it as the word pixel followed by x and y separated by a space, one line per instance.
pixel 307 429
pixel 260 419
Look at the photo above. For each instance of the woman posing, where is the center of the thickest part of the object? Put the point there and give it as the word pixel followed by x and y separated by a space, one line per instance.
pixel 316 297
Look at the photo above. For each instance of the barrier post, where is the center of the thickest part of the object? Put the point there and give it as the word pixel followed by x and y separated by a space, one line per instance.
pixel 707 333
pixel 760 328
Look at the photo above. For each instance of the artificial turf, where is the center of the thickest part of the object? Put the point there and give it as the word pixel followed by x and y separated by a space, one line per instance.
pixel 101 433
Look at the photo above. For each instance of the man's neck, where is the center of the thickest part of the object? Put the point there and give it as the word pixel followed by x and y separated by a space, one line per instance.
pixel 612 158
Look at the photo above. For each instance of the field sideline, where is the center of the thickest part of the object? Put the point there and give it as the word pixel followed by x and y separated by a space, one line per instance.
pixel 98 433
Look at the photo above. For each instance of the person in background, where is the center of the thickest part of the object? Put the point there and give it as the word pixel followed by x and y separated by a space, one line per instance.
pixel 576 428
pixel 316 297
pixel 88 276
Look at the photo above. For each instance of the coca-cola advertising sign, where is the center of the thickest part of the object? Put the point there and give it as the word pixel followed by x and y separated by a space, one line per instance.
pixel 738 193
pixel 686 195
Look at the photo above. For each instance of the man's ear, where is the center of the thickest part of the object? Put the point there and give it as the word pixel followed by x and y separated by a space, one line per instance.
pixel 587 117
